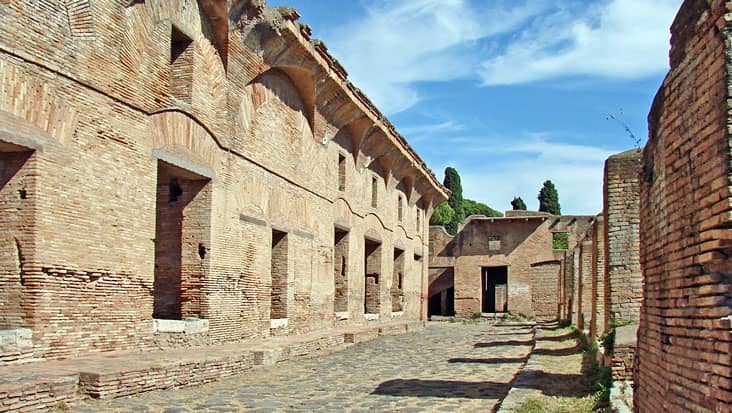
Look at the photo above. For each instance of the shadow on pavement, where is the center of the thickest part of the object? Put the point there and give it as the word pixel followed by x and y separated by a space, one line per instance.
pixel 442 388
pixel 559 351
pixel 553 384
pixel 505 343
pixel 496 360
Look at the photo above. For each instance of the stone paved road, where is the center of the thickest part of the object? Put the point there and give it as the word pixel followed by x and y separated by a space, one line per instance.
pixel 448 367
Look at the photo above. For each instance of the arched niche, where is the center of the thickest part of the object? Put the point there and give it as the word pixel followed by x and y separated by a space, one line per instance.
pixel 275 117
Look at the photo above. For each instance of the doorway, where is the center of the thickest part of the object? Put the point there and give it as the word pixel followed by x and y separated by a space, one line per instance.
pixel 494 285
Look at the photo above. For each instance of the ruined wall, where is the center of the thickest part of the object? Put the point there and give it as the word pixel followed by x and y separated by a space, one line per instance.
pixel 525 247
pixel 683 360
pixel 584 291
pixel 544 289
pixel 599 297
pixel 621 210
pixel 116 99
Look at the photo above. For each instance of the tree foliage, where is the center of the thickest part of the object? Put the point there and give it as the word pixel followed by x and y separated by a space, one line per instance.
pixel 452 182
pixel 549 199
pixel 518 204
pixel 443 215
pixel 478 208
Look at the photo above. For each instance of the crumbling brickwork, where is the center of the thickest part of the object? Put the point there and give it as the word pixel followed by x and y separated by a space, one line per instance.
pixel 544 288
pixel 250 117
pixel 599 297
pixel 683 361
pixel 525 250
pixel 621 210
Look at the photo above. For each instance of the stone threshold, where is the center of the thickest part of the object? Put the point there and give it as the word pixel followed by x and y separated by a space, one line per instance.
pixel 48 384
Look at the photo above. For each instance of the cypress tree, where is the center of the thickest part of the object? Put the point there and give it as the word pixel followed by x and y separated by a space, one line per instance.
pixel 549 199
pixel 452 182
pixel 443 215
pixel 518 204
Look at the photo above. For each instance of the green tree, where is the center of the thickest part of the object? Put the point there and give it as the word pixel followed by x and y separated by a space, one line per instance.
pixel 549 199
pixel 452 182
pixel 478 208
pixel 443 215
pixel 518 204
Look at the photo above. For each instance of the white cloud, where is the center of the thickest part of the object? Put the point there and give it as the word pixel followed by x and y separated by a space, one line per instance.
pixel 576 170
pixel 624 39
pixel 418 133
pixel 399 43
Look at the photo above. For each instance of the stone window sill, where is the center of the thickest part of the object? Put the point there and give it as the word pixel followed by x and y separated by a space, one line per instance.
pixel 187 326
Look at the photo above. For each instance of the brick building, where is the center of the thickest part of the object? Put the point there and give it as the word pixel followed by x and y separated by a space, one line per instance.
pixel 684 359
pixel 506 264
pixel 194 172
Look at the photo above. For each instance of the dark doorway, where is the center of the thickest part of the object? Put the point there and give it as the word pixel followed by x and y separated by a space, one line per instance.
pixel 442 303
pixel 495 289
pixel 372 272
pixel 182 228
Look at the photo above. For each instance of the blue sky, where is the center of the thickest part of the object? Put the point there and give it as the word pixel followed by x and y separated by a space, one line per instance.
pixel 510 93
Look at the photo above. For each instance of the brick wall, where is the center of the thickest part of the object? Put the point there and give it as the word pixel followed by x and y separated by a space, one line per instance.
pixel 599 297
pixel 255 125
pixel 525 241
pixel 545 289
pixel 621 211
pixel 683 360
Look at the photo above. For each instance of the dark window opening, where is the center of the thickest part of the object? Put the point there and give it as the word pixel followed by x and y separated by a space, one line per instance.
pixel 400 208
pixel 279 275
pixel 374 192
pixel 397 293
pixel 341 172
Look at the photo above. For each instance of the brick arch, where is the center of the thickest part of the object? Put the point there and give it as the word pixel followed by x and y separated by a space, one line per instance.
pixel 174 131
pixel 149 24
pixel 36 102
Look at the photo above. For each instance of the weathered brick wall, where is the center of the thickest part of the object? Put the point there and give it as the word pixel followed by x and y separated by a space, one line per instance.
pixel 100 88
pixel 599 298
pixel 523 242
pixel 584 292
pixel 545 289
pixel 683 360
pixel 17 198
pixel 621 210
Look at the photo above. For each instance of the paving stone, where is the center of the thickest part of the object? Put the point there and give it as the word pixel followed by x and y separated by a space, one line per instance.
pixel 425 371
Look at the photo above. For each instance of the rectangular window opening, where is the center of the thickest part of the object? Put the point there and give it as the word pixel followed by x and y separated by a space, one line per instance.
pixel 341 172
pixel 279 266
pixel 182 239
pixel 397 284
pixel 494 242
pixel 372 273
pixel 181 65
pixel 560 240
pixel 400 208
pixel 374 192
pixel 340 269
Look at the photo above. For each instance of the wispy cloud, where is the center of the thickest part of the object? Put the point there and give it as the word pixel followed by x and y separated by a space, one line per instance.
pixel 399 43
pixel 626 39
pixel 430 131
pixel 520 167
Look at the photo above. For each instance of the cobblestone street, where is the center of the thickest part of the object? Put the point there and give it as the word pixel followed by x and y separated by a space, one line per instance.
pixel 448 367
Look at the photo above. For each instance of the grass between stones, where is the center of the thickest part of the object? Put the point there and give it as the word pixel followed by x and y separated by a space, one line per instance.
pixel 599 383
